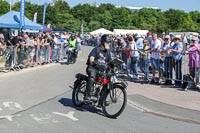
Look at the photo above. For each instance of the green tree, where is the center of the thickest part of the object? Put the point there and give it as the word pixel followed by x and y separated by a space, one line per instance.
pixel 84 12
pixel 148 19
pixel 173 19
pixel 93 25
pixel 4 6
pixel 121 18
pixel 195 16
pixel 108 16
pixel 58 15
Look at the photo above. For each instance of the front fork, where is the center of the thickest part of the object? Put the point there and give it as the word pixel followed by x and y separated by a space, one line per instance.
pixel 113 93
pixel 105 90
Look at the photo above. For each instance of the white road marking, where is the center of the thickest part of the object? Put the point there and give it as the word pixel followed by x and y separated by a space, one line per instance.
pixel 69 115
pixel 137 106
pixel 8 117
pixel 10 105
pixel 0 109
pixel 43 118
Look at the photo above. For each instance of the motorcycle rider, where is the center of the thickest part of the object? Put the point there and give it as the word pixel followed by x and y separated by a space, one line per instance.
pixel 97 60
pixel 73 43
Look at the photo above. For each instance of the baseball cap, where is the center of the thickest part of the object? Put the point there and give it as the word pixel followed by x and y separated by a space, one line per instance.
pixel 167 37
pixel 195 39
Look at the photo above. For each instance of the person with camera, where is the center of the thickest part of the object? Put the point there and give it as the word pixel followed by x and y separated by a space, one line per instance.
pixel 97 61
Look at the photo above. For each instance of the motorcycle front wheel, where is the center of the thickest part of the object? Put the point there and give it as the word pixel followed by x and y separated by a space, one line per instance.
pixel 114 101
pixel 69 57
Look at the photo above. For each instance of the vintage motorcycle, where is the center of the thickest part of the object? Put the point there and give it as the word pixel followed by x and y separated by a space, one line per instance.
pixel 109 91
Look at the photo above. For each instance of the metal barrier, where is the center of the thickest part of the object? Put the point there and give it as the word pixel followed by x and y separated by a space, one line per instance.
pixel 19 58
pixel 172 70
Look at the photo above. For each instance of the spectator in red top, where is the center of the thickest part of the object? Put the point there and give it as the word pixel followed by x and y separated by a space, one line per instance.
pixel 128 55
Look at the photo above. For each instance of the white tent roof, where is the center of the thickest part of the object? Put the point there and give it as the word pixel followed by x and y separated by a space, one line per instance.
pixel 101 31
pixel 124 31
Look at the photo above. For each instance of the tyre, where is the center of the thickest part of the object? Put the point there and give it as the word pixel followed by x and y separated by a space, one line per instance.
pixel 69 57
pixel 78 94
pixel 114 101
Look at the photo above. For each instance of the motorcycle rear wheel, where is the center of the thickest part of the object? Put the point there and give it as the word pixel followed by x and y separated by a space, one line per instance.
pixel 78 94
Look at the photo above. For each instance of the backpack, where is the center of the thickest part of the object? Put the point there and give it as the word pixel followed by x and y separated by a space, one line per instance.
pixel 188 82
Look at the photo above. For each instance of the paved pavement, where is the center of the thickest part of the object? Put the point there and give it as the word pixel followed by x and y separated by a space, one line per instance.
pixel 165 101
pixel 167 97
pixel 167 94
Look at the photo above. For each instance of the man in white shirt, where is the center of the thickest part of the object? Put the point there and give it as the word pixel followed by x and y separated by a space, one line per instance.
pixel 155 56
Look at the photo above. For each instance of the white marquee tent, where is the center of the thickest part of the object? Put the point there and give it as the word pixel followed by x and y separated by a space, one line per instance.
pixel 101 31
pixel 124 32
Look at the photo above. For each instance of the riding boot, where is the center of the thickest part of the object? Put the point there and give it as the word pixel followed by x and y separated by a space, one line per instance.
pixel 88 89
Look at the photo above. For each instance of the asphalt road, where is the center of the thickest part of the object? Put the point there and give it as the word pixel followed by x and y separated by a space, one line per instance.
pixel 38 100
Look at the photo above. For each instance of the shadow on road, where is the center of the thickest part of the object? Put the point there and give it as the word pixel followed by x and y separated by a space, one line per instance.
pixel 68 103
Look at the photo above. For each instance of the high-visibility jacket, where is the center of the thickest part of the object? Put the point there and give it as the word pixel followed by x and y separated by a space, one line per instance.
pixel 72 43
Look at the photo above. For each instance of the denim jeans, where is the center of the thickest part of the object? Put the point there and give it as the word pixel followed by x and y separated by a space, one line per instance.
pixel 145 67
pixel 47 53
pixel 56 52
pixel 155 63
pixel 128 65
pixel 168 69
pixel 178 71
pixel 62 51
pixel 134 66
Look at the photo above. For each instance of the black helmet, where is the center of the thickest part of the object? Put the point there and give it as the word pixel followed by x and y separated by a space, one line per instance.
pixel 73 35
pixel 105 38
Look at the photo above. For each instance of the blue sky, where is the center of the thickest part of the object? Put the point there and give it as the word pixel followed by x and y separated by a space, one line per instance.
pixel 186 5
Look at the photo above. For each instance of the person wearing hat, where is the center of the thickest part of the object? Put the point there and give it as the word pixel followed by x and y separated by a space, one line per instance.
pixel 176 51
pixel 97 60
pixel 167 60
pixel 194 58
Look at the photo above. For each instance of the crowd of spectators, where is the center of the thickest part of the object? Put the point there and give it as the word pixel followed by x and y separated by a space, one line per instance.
pixel 159 57
pixel 155 57
pixel 28 49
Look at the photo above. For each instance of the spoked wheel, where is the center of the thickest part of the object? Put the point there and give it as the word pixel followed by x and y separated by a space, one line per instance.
pixel 78 94
pixel 69 57
pixel 114 102
pixel 74 57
